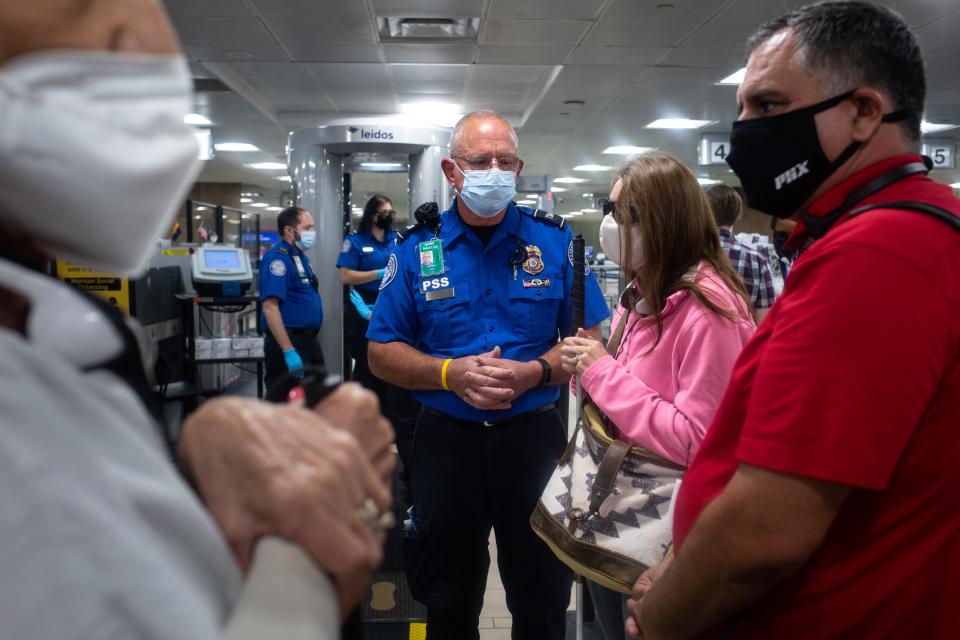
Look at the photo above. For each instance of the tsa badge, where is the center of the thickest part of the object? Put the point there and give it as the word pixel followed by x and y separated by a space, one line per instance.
pixel 533 264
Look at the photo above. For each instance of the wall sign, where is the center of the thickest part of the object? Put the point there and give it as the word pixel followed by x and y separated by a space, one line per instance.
pixel 942 152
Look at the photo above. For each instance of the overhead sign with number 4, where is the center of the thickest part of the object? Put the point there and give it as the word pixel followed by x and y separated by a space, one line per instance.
pixel 942 152
pixel 714 149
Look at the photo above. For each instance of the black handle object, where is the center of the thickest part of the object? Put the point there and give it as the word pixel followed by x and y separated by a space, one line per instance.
pixel 579 274
pixel 428 214
pixel 311 388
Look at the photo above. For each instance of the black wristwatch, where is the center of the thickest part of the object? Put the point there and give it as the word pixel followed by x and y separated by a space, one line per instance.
pixel 547 372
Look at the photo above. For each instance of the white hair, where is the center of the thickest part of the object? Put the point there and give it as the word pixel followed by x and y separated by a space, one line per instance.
pixel 456 138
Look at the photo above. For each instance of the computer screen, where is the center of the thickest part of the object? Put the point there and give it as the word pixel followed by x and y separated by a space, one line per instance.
pixel 222 259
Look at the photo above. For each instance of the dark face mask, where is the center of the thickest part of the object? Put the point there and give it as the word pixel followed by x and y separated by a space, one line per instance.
pixel 779 159
pixel 384 221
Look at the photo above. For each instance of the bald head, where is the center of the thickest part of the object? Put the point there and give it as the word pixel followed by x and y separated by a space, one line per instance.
pixel 136 26
pixel 478 122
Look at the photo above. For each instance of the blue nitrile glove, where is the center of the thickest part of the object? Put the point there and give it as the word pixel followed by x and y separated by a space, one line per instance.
pixel 363 308
pixel 380 273
pixel 294 362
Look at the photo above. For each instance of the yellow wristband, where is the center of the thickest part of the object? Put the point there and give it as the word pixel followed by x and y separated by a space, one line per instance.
pixel 443 373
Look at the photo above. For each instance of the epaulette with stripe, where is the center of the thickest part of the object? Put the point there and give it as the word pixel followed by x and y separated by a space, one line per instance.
pixel 546 216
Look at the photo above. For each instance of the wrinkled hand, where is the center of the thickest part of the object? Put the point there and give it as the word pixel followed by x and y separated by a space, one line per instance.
pixel 482 386
pixel 644 583
pixel 283 470
pixel 578 352
pixel 357 411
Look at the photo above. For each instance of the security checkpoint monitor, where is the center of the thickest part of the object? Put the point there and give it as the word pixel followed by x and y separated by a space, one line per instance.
pixel 221 270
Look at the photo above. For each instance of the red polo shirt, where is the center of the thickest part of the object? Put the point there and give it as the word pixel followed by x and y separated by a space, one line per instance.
pixel 854 377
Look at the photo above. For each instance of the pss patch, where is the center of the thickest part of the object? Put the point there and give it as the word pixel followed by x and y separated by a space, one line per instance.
pixel 345 247
pixel 277 268
pixel 390 272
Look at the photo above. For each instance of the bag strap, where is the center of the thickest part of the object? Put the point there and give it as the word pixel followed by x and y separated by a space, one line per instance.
pixel 617 335
pixel 920 207
pixel 607 473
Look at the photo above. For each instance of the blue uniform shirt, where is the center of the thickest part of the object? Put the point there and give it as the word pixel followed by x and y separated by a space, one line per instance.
pixel 478 303
pixel 362 252
pixel 280 277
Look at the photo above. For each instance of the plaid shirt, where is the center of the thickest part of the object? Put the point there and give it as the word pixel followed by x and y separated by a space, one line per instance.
pixel 753 269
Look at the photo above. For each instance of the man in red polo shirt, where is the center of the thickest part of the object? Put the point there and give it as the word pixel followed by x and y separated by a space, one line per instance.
pixel 825 500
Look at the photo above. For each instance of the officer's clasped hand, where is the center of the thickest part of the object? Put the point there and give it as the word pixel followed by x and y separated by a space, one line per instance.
pixel 485 387
pixel 362 307
pixel 293 361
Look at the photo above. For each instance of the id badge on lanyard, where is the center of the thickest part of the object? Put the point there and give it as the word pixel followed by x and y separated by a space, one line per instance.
pixel 301 272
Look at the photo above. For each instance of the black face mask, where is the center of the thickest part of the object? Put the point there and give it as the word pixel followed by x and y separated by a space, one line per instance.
pixel 384 221
pixel 779 159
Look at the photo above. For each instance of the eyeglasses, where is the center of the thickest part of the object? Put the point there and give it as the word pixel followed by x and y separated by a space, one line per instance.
pixel 388 212
pixel 608 206
pixel 481 163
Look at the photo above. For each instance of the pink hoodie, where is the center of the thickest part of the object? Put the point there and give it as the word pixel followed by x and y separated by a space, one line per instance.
pixel 665 400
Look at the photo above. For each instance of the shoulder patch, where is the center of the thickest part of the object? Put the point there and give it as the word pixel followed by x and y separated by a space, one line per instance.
pixel 345 247
pixel 390 272
pixel 586 266
pixel 546 216
pixel 277 268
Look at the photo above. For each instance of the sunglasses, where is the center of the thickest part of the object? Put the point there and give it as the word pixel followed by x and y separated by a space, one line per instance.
pixel 608 206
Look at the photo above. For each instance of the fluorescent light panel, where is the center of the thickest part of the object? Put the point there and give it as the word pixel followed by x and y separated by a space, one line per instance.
pixel 933 127
pixel 707 181
pixel 197 120
pixel 735 78
pixel 283 178
pixel 955 185
pixel 569 180
pixel 235 146
pixel 246 200
pixel 678 123
pixel 260 205
pixel 627 150
pixel 592 167
pixel 268 166
pixel 557 189
pixel 381 165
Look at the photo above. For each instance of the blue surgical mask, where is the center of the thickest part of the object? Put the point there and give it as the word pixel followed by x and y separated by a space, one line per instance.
pixel 307 240
pixel 488 191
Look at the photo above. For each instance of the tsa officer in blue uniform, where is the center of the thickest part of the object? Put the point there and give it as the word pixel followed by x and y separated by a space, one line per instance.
pixel 470 311
pixel 291 303
pixel 362 261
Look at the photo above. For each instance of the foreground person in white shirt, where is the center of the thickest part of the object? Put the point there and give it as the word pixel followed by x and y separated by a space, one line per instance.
pixel 100 536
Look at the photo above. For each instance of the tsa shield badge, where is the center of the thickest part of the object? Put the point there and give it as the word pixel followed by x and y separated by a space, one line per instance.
pixel 533 263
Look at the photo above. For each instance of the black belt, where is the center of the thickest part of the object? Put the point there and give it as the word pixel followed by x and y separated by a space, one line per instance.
pixel 507 422
pixel 304 332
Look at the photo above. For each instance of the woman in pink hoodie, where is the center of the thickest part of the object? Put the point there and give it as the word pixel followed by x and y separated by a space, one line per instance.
pixel 688 318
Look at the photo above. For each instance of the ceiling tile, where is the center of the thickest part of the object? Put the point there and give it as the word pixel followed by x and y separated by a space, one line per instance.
pixel 341 30
pixel 205 8
pixel 941 36
pixel 411 74
pixel 317 52
pixel 727 58
pixel 717 35
pixel 637 11
pixel 428 8
pixel 755 12
pixel 429 53
pixel 619 55
pixel 504 75
pixel 213 39
pixel 534 32
pixel 612 32
pixel 544 9
pixel 505 54
pixel 326 9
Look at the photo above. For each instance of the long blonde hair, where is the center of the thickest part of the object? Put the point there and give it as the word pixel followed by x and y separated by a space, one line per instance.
pixel 661 196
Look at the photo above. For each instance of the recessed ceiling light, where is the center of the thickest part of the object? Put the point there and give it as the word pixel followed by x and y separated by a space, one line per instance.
pixel 268 166
pixel 283 178
pixel 260 205
pixel 735 78
pixel 557 189
pixel 526 202
pixel 576 213
pixel 197 120
pixel 590 210
pixel 627 150
pixel 198 217
pixel 235 146
pixel 274 208
pixel 955 185
pixel 200 209
pixel 587 195
pixel 533 195
pixel 252 194
pixel 246 200
pixel 382 165
pixel 678 123
pixel 707 181
pixel 933 127
pixel 592 167
pixel 569 180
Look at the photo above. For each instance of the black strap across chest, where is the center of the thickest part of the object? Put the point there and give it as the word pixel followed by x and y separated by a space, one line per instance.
pixel 910 205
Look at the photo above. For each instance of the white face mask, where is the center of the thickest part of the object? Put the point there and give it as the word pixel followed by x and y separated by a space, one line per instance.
pixel 610 234
pixel 94 153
